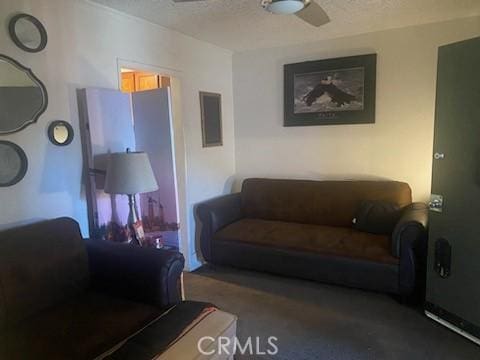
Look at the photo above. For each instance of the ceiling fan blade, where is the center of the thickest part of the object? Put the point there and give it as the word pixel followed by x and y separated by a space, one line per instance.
pixel 313 14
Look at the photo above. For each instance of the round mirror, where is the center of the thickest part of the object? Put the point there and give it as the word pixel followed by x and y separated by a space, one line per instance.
pixel 23 97
pixel 13 163
pixel 27 33
pixel 60 133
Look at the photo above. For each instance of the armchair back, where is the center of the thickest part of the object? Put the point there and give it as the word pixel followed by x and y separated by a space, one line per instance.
pixel 41 265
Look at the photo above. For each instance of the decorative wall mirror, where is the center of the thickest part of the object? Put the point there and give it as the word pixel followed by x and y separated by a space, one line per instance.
pixel 23 97
pixel 13 163
pixel 60 133
pixel 27 32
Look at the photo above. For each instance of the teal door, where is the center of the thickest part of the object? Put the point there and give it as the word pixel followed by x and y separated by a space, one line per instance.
pixel 453 272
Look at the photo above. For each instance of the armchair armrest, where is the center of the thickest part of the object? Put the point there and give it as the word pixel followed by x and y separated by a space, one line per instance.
pixel 411 227
pixel 215 214
pixel 148 275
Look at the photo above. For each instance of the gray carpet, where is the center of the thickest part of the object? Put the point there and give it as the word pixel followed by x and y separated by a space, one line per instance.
pixel 318 321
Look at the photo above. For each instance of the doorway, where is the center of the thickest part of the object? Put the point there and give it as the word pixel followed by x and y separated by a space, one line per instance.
pixel 153 128
pixel 139 116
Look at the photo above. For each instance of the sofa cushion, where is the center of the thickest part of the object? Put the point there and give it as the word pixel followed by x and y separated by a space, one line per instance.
pixel 377 217
pixel 82 328
pixel 325 240
pixel 331 203
pixel 41 265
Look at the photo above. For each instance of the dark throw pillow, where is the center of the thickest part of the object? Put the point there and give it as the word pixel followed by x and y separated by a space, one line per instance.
pixel 376 217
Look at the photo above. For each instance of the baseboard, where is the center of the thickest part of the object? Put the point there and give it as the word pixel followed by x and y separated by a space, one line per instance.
pixel 452 327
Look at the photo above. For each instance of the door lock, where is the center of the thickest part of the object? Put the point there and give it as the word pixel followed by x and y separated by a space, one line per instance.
pixel 439 156
pixel 436 203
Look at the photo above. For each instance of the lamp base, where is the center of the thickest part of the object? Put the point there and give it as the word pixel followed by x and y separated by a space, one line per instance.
pixel 135 226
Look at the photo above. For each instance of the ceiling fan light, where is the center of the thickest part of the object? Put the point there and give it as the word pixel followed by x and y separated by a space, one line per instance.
pixel 285 7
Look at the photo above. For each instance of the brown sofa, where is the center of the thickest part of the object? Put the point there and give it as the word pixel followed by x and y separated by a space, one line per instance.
pixel 62 297
pixel 305 229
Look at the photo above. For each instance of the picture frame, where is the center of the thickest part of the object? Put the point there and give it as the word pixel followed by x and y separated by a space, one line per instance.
pixel 13 163
pixel 211 116
pixel 330 92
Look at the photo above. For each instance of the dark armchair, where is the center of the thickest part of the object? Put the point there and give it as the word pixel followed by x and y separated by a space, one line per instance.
pixel 62 297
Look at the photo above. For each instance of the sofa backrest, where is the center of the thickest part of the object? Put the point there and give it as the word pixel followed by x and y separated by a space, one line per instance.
pixel 332 203
pixel 41 265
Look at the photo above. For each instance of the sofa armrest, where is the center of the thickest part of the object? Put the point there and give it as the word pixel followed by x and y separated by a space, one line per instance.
pixel 215 214
pixel 147 275
pixel 410 228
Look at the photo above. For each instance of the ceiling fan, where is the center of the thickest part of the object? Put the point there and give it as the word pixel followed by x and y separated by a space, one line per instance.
pixel 307 10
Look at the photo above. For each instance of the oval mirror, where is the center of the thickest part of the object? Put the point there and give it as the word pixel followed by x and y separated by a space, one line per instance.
pixel 60 133
pixel 27 32
pixel 13 163
pixel 23 97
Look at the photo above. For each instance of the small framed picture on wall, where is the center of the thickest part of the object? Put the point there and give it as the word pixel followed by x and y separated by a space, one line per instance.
pixel 211 114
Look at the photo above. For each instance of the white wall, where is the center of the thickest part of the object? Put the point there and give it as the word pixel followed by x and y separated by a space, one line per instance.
pixel 86 43
pixel 397 146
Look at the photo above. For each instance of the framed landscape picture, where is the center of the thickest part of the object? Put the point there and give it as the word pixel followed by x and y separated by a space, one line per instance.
pixel 331 92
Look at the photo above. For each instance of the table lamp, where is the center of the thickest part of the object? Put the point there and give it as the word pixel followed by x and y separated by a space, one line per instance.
pixel 130 173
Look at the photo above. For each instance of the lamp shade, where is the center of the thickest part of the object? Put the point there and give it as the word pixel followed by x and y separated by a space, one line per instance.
pixel 129 173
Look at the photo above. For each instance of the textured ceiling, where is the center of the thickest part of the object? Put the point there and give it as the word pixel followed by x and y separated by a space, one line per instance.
pixel 242 24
